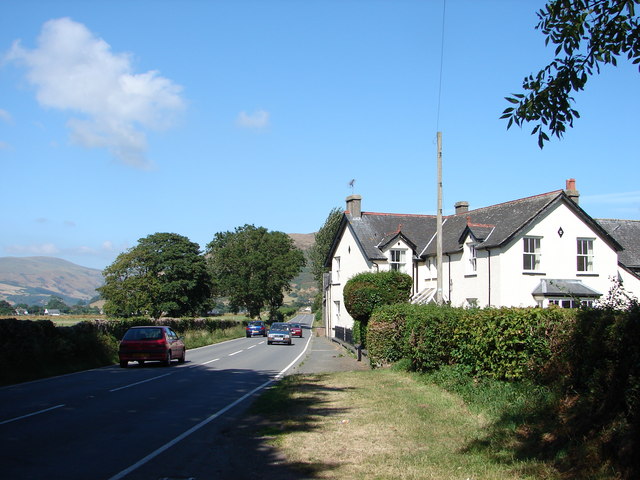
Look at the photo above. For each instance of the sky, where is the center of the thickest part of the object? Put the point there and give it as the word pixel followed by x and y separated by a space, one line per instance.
pixel 124 118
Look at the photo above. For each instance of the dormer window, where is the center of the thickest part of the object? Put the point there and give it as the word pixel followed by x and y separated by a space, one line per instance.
pixel 473 257
pixel 398 261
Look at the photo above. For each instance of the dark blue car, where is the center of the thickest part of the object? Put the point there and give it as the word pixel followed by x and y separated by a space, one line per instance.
pixel 256 328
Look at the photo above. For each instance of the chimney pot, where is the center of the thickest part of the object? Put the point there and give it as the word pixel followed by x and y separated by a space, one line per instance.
pixel 571 191
pixel 354 205
pixel 461 207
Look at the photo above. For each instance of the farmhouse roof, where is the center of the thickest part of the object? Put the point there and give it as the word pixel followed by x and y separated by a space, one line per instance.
pixel 491 226
pixel 627 233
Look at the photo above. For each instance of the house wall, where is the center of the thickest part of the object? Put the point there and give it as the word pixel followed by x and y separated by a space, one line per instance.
pixel 630 282
pixel 352 261
pixel 500 279
pixel 558 258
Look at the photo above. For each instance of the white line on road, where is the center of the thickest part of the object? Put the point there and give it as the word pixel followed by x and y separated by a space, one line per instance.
pixel 211 361
pixel 197 427
pixel 31 414
pixel 138 383
pixel 235 353
pixel 253 346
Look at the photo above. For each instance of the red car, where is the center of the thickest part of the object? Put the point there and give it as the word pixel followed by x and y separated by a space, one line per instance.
pixel 296 330
pixel 153 343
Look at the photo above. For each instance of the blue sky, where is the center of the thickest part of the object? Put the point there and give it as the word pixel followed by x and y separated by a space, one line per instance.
pixel 120 119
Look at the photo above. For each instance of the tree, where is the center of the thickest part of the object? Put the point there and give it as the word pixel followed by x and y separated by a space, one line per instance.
pixel 56 303
pixel 165 274
pixel 6 308
pixel 589 33
pixel 252 267
pixel 323 241
pixel 366 291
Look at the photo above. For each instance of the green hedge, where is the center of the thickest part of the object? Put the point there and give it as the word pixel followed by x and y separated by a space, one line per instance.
pixel 504 343
pixel 589 359
pixel 37 349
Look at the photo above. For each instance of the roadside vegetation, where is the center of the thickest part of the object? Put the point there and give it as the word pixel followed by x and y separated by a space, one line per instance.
pixel 41 348
pixel 389 424
pixel 472 394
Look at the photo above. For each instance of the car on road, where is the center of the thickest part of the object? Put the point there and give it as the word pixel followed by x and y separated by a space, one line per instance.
pixel 279 332
pixel 256 328
pixel 151 343
pixel 296 330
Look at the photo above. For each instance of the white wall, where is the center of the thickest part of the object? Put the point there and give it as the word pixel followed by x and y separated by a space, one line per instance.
pixel 352 261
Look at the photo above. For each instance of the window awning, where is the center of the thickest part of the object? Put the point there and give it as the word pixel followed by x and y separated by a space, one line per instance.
pixel 564 288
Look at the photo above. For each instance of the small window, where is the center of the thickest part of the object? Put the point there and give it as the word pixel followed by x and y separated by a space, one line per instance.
pixel 336 263
pixel 398 260
pixel 531 256
pixel 585 254
pixel 473 257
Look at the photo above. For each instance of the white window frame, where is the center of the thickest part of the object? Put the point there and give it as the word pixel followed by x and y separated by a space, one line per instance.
pixel 531 257
pixel 571 302
pixel 473 258
pixel 584 260
pixel 336 261
pixel 399 263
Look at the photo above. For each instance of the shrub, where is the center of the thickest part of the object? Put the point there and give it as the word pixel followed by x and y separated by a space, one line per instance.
pixel 365 292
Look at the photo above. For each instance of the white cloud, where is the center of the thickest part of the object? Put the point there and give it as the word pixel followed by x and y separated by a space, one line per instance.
pixel 257 119
pixel 74 70
pixel 5 116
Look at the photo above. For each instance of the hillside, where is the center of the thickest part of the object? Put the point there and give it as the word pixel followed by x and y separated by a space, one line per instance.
pixel 304 287
pixel 33 280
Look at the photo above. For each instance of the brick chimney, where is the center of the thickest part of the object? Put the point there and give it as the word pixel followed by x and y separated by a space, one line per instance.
pixel 461 207
pixel 354 203
pixel 571 191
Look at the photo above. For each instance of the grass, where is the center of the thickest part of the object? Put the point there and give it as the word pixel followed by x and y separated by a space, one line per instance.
pixel 386 424
pixel 200 338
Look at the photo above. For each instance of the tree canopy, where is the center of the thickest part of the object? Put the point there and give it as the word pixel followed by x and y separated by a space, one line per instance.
pixel 253 267
pixel 366 291
pixel 165 274
pixel 587 35
pixel 323 241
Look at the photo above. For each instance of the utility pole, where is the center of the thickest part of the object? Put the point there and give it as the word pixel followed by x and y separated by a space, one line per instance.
pixel 439 226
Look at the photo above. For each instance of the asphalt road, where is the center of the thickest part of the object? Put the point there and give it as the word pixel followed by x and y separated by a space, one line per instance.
pixel 113 423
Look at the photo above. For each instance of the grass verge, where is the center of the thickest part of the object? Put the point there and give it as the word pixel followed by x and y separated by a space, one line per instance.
pixel 385 424
pixel 200 338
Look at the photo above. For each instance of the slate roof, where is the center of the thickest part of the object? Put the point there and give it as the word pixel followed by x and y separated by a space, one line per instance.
pixel 563 288
pixel 491 226
pixel 375 230
pixel 627 233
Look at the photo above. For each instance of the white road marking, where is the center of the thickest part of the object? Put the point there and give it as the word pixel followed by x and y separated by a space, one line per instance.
pixel 235 353
pixel 252 346
pixel 207 420
pixel 211 361
pixel 31 414
pixel 138 383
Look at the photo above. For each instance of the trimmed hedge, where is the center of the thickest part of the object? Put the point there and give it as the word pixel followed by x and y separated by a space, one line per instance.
pixel 503 343
pixel 38 349
pixel 589 358
pixel 366 291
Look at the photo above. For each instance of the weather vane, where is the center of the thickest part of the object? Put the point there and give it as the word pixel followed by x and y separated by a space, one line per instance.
pixel 351 184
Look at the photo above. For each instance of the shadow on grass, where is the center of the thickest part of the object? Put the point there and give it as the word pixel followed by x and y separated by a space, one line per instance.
pixel 293 405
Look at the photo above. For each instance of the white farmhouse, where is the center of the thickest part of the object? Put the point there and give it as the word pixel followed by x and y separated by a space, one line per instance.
pixel 534 251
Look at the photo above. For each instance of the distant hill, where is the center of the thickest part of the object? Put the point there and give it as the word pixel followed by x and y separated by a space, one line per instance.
pixel 33 280
pixel 304 287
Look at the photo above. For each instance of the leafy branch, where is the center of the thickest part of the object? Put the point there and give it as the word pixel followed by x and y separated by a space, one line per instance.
pixel 587 34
